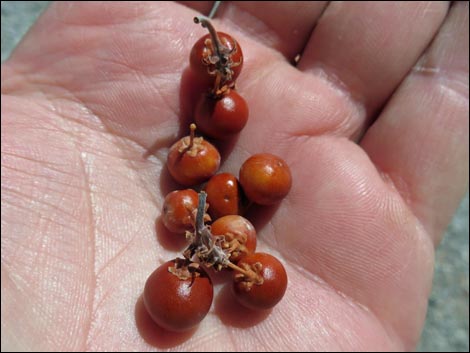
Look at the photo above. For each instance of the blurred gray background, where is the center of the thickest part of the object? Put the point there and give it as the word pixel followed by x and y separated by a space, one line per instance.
pixel 447 320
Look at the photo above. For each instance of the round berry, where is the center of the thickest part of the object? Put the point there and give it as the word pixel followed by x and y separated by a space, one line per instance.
pixel 177 296
pixel 221 117
pixel 216 56
pixel 265 285
pixel 224 195
pixel 265 178
pixel 192 160
pixel 239 236
pixel 179 210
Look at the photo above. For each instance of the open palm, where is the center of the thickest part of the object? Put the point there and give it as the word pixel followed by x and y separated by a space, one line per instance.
pixel 97 92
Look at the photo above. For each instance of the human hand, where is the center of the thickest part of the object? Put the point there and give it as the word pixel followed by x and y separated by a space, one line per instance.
pixel 94 87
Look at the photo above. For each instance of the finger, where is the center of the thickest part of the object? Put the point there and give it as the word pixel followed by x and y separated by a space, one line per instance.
pixel 420 141
pixel 281 25
pixel 367 48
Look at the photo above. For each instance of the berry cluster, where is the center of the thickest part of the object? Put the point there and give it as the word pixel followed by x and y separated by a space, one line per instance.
pixel 179 293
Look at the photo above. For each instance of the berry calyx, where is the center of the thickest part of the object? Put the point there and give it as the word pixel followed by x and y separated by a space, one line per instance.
pixel 238 236
pixel 264 290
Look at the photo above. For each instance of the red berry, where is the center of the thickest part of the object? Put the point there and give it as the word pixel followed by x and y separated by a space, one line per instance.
pixel 267 286
pixel 224 195
pixel 239 234
pixel 179 210
pixel 265 179
pixel 192 160
pixel 178 297
pixel 222 117
pixel 216 56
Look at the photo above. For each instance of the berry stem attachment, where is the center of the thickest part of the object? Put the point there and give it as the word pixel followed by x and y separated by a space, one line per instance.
pixel 205 23
pixel 203 246
pixel 209 252
pixel 203 235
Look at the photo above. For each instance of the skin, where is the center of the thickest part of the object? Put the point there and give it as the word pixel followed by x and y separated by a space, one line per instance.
pixel 373 123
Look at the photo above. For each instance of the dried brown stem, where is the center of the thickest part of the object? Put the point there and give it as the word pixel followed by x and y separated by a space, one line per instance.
pixel 214 36
pixel 192 129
